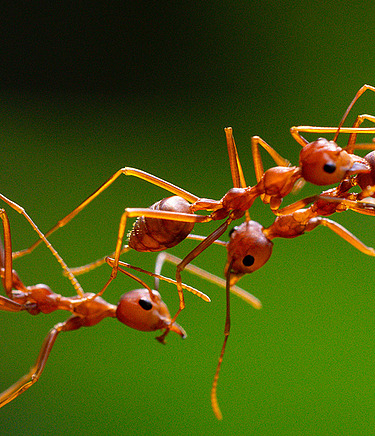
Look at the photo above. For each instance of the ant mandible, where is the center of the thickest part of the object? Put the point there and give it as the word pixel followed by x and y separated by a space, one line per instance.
pixel 169 221
pixel 141 309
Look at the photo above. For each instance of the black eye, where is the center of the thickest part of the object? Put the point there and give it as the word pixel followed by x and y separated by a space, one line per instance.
pixel 145 304
pixel 329 167
pixel 248 260
pixel 232 230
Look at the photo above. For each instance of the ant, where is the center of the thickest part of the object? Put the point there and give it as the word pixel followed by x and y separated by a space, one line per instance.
pixel 141 309
pixel 250 247
pixel 169 221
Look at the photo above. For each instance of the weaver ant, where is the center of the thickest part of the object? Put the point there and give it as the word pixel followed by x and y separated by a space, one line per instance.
pixel 169 221
pixel 250 247
pixel 141 309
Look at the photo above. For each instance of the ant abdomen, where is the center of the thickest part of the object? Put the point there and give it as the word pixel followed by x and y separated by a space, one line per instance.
pixel 155 234
pixel 365 180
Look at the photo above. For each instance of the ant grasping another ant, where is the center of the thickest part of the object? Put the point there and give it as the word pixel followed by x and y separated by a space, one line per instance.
pixel 141 309
pixel 322 162
pixel 169 221
pixel 250 247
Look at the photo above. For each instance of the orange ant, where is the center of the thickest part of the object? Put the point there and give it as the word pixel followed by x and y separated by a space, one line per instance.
pixel 250 247
pixel 169 221
pixel 141 309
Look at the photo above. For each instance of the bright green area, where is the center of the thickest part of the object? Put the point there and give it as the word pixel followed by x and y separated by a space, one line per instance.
pixel 304 364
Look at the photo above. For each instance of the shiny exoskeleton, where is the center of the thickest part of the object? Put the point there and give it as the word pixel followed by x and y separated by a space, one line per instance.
pixel 141 309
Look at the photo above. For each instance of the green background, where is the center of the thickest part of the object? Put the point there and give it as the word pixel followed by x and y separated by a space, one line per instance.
pixel 88 89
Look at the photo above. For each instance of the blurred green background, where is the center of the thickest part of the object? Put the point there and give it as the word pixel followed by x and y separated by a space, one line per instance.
pixel 91 87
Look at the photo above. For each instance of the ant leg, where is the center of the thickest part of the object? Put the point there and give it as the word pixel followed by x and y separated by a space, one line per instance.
pixel 352 138
pixel 345 234
pixel 194 291
pixel 192 255
pixel 83 269
pixel 295 130
pixel 150 213
pixel 356 97
pixel 235 164
pixel 127 171
pixel 300 204
pixel 61 261
pixel 314 129
pixel 241 293
pixel 187 259
pixel 214 400
pixel 362 207
pixel 256 141
pixel 6 254
pixel 234 160
pixel 10 305
pixel 35 372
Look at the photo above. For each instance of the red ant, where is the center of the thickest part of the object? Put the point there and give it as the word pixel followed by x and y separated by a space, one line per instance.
pixel 250 247
pixel 141 309
pixel 169 221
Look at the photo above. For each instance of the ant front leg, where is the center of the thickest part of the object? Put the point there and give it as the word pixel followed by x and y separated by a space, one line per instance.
pixel 295 131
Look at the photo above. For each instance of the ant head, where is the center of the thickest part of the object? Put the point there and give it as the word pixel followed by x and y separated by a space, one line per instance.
pixel 323 162
pixel 137 310
pixel 248 250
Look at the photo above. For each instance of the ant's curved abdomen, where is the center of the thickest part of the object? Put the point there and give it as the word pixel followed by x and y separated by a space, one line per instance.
pixel 154 234
pixel 365 180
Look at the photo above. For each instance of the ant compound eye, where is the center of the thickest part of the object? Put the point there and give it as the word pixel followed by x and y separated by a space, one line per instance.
pixel 329 167
pixel 232 230
pixel 248 260
pixel 145 304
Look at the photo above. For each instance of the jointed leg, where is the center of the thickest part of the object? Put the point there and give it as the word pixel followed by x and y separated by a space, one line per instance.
pixel 362 207
pixel 214 401
pixel 127 172
pixel 353 137
pixel 345 234
pixel 64 266
pixel 300 204
pixel 10 305
pixel 156 276
pixel 191 256
pixel 256 141
pixel 356 97
pixel 234 160
pixel 35 372
pixel 6 254
pixel 295 131
pixel 167 257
